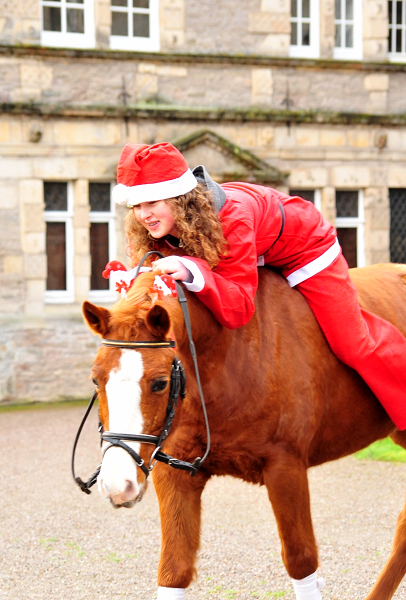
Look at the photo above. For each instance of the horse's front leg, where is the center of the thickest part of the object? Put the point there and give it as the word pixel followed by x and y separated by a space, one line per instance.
pixel 179 497
pixel 285 477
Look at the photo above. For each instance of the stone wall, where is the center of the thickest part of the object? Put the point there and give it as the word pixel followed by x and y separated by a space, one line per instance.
pixel 259 27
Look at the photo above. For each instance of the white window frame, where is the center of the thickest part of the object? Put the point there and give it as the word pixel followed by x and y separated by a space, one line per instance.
pixel 108 217
pixel 58 216
pixel 356 52
pixel 397 56
pixel 312 51
pixel 317 199
pixel 357 223
pixel 142 44
pixel 64 39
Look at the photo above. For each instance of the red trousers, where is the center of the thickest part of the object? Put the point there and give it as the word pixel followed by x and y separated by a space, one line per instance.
pixel 370 345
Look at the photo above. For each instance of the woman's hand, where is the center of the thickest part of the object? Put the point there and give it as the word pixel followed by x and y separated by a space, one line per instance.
pixel 172 266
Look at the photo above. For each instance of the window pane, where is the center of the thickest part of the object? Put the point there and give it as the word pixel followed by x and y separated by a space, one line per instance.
pixel 305 194
pixel 337 9
pixel 141 3
pixel 140 25
pixel 293 8
pixel 397 199
pixel 119 2
pixel 349 37
pixel 398 40
pixel 337 39
pixel 293 34
pixel 306 9
pixel 390 12
pixel 75 20
pixel 56 195
pixel 399 13
pixel 119 25
pixel 305 34
pixel 99 253
pixel 52 18
pixel 347 237
pixel 349 9
pixel 347 204
pixel 76 1
pixel 99 197
pixel 56 256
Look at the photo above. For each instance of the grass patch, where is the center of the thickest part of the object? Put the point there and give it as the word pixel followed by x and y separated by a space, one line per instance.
pixel 384 450
pixel 40 405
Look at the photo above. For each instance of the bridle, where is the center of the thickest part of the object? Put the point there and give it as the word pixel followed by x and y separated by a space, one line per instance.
pixel 177 388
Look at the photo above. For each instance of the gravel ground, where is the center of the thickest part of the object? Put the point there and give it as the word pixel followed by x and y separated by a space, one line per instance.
pixel 57 543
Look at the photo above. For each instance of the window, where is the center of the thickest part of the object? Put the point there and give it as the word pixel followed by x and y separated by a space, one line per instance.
pixel 397 30
pixel 67 23
pixel 350 224
pixel 397 199
pixel 134 25
pixel 58 197
pixel 348 29
pixel 313 196
pixel 102 240
pixel 304 34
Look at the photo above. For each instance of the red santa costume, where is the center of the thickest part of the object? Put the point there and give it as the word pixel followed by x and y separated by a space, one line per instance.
pixel 265 226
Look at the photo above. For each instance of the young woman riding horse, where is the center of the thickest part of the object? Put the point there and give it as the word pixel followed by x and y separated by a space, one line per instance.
pixel 216 236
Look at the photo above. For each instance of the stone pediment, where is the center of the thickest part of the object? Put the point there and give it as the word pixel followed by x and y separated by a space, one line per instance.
pixel 226 161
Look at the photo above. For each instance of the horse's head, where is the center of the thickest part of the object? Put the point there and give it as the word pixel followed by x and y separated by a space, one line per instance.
pixel 133 384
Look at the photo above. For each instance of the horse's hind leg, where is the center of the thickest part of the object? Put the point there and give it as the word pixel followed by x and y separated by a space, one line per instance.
pixel 285 477
pixel 395 568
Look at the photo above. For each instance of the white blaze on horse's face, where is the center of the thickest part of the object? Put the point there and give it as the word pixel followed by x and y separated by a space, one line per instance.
pixel 118 476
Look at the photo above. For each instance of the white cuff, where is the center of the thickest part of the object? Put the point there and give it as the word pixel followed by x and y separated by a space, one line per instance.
pixel 165 593
pixel 309 587
pixel 198 280
pixel 315 266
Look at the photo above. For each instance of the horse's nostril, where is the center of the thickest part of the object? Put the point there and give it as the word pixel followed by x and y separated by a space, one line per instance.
pixel 129 490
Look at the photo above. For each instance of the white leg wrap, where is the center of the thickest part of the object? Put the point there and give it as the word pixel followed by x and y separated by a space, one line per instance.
pixel 309 587
pixel 165 593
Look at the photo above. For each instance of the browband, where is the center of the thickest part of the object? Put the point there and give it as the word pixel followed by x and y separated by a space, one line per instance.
pixel 145 344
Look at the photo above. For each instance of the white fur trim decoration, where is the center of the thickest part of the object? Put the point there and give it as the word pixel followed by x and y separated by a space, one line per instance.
pixel 308 588
pixel 315 266
pixel 198 280
pixel 165 593
pixel 150 192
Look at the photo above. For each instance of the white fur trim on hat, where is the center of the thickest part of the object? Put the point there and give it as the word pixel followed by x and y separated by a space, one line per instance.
pixel 150 192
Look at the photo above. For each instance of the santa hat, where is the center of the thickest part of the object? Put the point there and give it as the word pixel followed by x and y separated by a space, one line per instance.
pixel 149 173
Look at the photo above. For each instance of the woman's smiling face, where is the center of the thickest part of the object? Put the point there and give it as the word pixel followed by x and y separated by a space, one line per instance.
pixel 157 218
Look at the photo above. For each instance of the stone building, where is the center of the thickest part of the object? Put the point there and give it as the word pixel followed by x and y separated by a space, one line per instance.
pixel 303 95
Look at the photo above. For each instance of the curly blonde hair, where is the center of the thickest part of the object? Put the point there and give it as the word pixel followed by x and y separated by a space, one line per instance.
pixel 197 223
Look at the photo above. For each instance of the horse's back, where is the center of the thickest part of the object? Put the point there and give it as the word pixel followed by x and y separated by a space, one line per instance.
pixel 382 291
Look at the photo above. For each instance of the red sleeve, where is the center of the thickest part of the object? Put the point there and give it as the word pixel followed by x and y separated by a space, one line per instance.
pixel 230 288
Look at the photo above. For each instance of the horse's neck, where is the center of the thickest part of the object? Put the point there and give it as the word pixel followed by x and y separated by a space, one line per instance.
pixel 207 333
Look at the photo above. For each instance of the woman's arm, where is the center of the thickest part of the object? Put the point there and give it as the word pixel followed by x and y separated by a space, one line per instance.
pixel 228 290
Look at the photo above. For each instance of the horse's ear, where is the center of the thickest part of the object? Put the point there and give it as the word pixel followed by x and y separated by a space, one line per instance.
pixel 158 321
pixel 96 317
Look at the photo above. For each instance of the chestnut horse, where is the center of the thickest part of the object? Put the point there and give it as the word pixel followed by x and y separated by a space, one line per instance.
pixel 278 402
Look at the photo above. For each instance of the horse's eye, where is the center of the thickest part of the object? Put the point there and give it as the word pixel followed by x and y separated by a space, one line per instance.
pixel 158 385
pixel 96 382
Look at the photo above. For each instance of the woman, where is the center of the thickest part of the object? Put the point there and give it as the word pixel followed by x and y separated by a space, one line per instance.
pixel 222 233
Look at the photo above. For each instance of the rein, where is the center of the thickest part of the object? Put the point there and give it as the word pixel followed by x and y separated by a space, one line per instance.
pixel 177 388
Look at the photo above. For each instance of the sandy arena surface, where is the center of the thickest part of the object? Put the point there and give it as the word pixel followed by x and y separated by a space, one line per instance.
pixel 57 543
